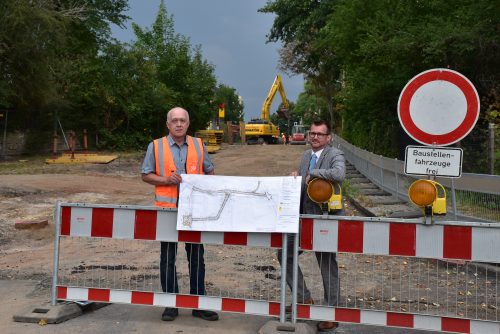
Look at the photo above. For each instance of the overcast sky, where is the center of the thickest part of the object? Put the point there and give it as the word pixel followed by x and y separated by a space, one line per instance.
pixel 232 35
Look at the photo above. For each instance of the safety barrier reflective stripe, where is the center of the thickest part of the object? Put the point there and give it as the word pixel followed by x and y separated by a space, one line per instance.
pixel 246 306
pixel 474 242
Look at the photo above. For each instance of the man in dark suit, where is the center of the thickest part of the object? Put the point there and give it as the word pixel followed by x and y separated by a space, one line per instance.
pixel 326 162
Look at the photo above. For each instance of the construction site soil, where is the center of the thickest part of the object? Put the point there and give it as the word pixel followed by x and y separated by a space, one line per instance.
pixel 29 189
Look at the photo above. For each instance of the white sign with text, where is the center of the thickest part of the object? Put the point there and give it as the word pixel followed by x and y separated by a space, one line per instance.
pixel 239 203
pixel 436 161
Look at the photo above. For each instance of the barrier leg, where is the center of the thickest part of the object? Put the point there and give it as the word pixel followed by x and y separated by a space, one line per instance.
pixel 295 276
pixel 284 251
pixel 57 222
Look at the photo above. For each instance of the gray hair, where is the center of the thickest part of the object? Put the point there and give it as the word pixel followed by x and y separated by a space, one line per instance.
pixel 169 114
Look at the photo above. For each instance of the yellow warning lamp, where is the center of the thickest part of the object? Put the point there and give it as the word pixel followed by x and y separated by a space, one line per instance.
pixel 422 192
pixel 439 205
pixel 425 194
pixel 323 192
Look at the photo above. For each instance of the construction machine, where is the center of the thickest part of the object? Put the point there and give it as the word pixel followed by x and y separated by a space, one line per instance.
pixel 298 136
pixel 211 138
pixel 262 130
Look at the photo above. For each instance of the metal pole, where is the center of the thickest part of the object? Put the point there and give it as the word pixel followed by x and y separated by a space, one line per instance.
pixel 491 151
pixel 85 142
pixel 295 276
pixel 288 133
pixel 284 251
pixel 397 177
pixel 62 131
pixel 242 133
pixel 382 172
pixel 453 198
pixel 57 222
pixel 54 145
pixel 4 142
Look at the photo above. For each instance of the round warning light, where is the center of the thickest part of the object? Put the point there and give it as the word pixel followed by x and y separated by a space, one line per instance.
pixel 422 192
pixel 319 190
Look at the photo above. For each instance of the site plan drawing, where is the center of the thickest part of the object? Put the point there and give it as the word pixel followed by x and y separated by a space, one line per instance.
pixel 239 204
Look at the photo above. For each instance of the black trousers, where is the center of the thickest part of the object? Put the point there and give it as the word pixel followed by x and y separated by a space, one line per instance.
pixel 168 270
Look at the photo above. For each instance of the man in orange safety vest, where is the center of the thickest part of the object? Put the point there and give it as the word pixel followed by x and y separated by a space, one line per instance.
pixel 166 159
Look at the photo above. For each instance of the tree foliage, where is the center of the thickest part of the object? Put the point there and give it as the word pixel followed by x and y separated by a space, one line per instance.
pixel 233 104
pixel 59 63
pixel 372 48
pixel 38 38
pixel 298 25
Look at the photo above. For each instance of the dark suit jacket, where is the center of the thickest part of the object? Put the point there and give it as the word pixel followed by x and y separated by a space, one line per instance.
pixel 330 166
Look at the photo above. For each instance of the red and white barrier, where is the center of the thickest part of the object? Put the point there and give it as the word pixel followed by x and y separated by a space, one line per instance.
pixel 256 307
pixel 410 238
pixel 142 224
pixel 476 243
pixel 265 308
pixel 395 319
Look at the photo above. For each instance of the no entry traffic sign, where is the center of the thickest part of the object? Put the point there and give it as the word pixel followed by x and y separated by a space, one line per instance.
pixel 438 107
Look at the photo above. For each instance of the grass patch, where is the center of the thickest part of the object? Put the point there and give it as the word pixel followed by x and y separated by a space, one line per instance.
pixel 349 189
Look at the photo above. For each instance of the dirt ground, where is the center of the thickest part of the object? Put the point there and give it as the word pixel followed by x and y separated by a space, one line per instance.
pixel 29 189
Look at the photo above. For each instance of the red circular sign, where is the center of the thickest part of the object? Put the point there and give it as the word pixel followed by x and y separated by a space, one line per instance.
pixel 438 107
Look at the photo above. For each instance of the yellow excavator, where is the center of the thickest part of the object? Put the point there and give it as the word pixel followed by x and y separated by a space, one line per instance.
pixel 262 130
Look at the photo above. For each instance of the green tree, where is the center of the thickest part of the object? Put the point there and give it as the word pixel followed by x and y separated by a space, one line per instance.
pixel 382 44
pixel 117 96
pixel 233 105
pixel 309 105
pixel 41 45
pixel 298 25
pixel 36 36
pixel 179 67
pixel 359 55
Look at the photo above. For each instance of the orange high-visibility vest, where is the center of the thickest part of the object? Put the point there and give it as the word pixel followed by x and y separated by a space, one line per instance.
pixel 166 196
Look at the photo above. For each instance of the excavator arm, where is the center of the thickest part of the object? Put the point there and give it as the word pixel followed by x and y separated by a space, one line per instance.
pixel 277 86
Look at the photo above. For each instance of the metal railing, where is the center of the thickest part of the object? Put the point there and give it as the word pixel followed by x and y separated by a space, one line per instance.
pixel 470 197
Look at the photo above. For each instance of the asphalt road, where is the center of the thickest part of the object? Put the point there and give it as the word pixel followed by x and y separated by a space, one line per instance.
pixel 20 295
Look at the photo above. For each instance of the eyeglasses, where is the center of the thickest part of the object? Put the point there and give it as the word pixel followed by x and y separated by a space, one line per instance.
pixel 317 134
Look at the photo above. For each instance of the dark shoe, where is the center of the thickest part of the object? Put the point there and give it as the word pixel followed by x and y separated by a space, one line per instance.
pixel 288 309
pixel 169 314
pixel 327 326
pixel 205 315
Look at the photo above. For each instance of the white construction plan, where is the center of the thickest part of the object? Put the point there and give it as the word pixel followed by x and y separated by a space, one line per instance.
pixel 239 204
